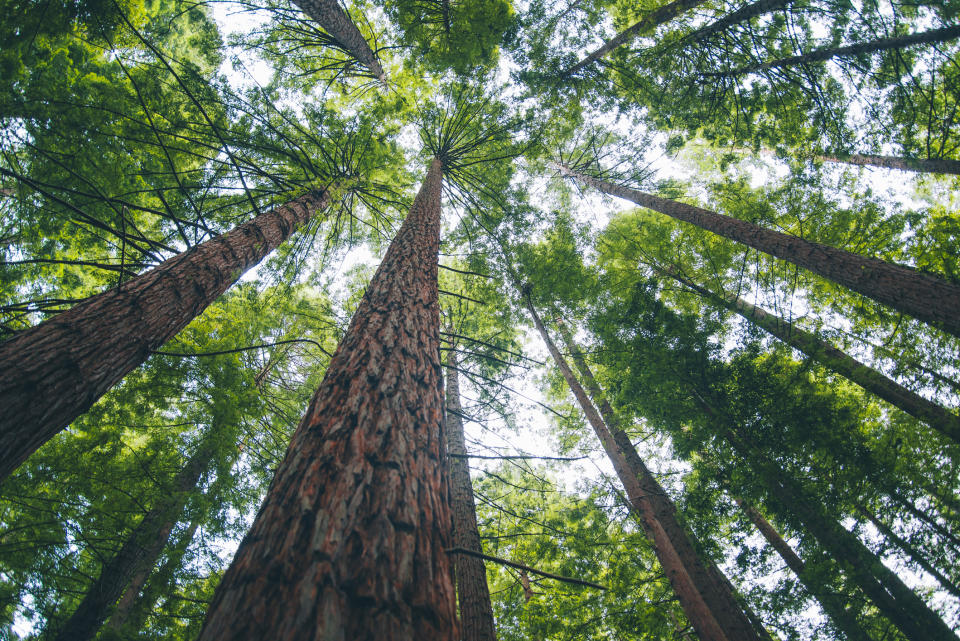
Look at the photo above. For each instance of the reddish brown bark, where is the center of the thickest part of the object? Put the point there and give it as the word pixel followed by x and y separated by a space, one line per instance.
pixel 335 21
pixel 649 502
pixel 919 165
pixel 832 603
pixel 350 541
pixel 137 556
pixel 936 416
pixel 647 23
pixel 52 373
pixel 473 594
pixel 920 295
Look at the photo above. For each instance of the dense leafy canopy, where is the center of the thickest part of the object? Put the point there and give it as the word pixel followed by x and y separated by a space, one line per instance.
pixel 131 131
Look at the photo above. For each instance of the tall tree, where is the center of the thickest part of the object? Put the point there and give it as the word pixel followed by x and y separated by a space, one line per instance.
pixel 53 372
pixel 331 16
pixel 920 295
pixel 352 536
pixel 704 593
pixel 473 594
pixel 938 417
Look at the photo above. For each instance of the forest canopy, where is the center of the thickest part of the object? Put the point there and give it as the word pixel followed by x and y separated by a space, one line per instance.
pixel 474 320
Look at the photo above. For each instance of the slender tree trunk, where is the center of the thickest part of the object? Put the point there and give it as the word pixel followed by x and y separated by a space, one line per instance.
pixel 944 34
pixel 930 299
pixel 713 612
pixel 832 603
pixel 350 541
pixel 137 556
pixel 476 613
pixel 915 554
pixel 919 165
pixel 922 516
pixel 739 16
pixel 132 603
pixel 897 602
pixel 647 23
pixel 335 21
pixel 52 373
pixel 936 416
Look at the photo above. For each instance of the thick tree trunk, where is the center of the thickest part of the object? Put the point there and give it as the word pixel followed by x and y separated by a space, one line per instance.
pixel 473 594
pixel 711 609
pixel 920 295
pixel 137 556
pixel 335 21
pixel 826 53
pixel 919 165
pixel 350 541
pixel 936 416
pixel 647 23
pixel 916 555
pixel 52 373
pixel 897 602
pixel 832 603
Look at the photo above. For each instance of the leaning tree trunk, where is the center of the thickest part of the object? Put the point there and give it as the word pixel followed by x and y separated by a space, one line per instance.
pixel 826 53
pixel 928 298
pixel 915 555
pixel 52 373
pixel 137 556
pixel 934 415
pixel 707 602
pixel 893 599
pixel 832 603
pixel 351 540
pixel 739 16
pixel 335 21
pixel 919 165
pixel 473 594
pixel 647 23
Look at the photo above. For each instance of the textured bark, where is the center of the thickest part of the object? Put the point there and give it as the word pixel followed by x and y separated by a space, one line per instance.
pixel 920 295
pixel 826 53
pixel 705 576
pixel 705 621
pixel 335 21
pixel 647 23
pixel 132 603
pixel 137 556
pixel 916 555
pixel 473 594
pixel 349 544
pixel 832 603
pixel 897 602
pixel 919 165
pixel 52 373
pixel 936 416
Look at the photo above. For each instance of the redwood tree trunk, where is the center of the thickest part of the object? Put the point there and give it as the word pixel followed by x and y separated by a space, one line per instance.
pixel 476 613
pixel 919 165
pixel 53 372
pixel 710 606
pixel 936 416
pixel 335 21
pixel 928 298
pixel 137 556
pixel 897 602
pixel 647 23
pixel 758 8
pixel 350 541
pixel 826 53
pixel 832 603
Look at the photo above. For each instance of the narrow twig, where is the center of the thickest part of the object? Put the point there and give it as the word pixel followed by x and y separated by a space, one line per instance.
pixel 547 458
pixel 244 349
pixel 527 568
